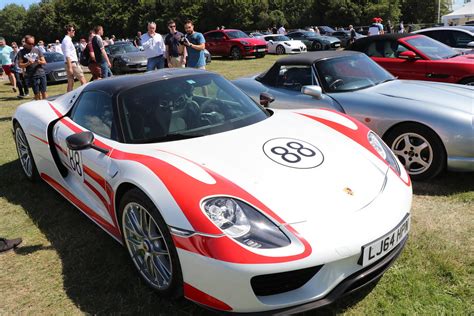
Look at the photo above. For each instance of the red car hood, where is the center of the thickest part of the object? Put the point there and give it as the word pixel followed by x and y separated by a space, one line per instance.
pixel 252 41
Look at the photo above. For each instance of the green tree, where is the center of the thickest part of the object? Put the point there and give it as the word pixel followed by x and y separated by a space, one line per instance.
pixel 13 18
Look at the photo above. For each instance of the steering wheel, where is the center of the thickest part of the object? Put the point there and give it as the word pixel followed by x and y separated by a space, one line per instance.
pixel 180 103
pixel 333 84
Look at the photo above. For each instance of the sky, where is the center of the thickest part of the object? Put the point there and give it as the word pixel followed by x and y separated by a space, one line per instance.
pixel 26 3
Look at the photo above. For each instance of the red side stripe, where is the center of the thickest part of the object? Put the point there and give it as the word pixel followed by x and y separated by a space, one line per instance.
pixel 200 297
pixel 40 139
pixel 82 206
pixel 61 149
pixel 96 192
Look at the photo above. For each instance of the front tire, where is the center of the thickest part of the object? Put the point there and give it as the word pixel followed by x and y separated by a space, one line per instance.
pixel 150 245
pixel 24 153
pixel 235 53
pixel 317 46
pixel 419 149
pixel 280 50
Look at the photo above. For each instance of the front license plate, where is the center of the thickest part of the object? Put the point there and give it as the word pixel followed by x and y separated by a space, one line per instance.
pixel 143 64
pixel 380 247
pixel 62 74
pixel 261 50
pixel 337 45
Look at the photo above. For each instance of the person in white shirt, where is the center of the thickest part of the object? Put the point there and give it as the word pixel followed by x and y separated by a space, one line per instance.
pixel 73 69
pixel 282 30
pixel 154 48
pixel 57 47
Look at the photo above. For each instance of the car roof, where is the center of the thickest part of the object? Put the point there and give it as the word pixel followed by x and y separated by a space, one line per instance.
pixel 311 57
pixel 362 42
pixel 465 28
pixel 117 84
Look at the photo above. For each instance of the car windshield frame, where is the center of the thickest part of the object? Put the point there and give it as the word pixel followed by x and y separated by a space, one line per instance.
pixel 445 51
pixel 236 34
pixel 231 110
pixel 323 68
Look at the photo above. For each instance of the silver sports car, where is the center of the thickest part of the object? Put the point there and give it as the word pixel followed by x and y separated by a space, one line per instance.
pixel 428 125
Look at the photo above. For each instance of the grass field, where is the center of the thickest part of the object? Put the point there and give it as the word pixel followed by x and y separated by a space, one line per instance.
pixel 67 265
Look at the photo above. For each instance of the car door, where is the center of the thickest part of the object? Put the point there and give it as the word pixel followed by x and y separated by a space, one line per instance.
pixel 387 54
pixel 211 42
pixel 90 169
pixel 287 89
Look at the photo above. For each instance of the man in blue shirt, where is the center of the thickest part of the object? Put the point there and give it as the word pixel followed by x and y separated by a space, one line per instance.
pixel 195 44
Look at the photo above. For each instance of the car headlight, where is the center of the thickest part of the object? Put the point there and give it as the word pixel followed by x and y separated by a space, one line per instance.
pixel 244 223
pixel 125 59
pixel 244 43
pixel 287 44
pixel 382 149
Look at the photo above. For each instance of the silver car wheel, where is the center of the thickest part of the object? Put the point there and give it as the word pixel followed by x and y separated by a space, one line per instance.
pixel 414 151
pixel 23 152
pixel 147 246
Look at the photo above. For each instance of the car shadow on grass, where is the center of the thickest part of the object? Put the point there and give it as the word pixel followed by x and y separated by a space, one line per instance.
pixel 446 184
pixel 98 275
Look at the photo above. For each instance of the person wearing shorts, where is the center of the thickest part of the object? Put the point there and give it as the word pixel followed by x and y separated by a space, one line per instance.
pixel 6 62
pixel 32 59
pixel 73 69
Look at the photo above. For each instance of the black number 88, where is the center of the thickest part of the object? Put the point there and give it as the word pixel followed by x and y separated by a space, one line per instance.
pixel 290 157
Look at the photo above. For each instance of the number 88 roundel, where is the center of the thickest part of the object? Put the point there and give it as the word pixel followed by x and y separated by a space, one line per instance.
pixel 293 153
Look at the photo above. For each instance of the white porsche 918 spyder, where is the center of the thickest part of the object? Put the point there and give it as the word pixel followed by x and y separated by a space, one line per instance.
pixel 237 207
pixel 281 44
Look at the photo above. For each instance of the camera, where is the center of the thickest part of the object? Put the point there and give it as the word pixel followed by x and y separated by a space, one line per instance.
pixel 184 41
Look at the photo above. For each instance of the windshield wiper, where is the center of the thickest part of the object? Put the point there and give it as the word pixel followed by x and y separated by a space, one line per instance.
pixel 386 80
pixel 455 55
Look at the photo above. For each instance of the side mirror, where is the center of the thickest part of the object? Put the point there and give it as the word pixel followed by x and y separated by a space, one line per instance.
pixel 266 99
pixel 407 55
pixel 83 140
pixel 314 91
pixel 470 44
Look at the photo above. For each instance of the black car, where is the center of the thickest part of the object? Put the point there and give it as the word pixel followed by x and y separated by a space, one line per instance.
pixel 326 30
pixel 314 41
pixel 55 67
pixel 345 36
pixel 125 58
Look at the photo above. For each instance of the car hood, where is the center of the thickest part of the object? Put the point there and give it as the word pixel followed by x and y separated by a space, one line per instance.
pixel 253 41
pixel 136 57
pixel 330 39
pixel 294 194
pixel 424 93
pixel 55 66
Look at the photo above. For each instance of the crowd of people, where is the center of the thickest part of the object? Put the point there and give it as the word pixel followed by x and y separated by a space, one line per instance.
pixel 24 64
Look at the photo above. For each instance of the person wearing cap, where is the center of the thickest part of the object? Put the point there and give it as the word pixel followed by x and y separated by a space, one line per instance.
pixel 380 25
pixel 73 69
pixel 175 53
pixel 374 29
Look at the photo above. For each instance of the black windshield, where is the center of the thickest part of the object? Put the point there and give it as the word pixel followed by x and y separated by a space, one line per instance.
pixel 185 107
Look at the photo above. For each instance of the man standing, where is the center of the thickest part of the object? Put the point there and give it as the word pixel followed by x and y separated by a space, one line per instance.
pixel 6 62
pixel 352 33
pixel 73 69
pixel 175 53
pixel 31 58
pixel 282 30
pixel 195 43
pixel 138 40
pixel 41 46
pixel 18 72
pixel 57 47
pixel 100 55
pixel 154 48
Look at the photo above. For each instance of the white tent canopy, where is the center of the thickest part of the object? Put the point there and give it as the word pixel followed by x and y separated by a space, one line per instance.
pixel 460 16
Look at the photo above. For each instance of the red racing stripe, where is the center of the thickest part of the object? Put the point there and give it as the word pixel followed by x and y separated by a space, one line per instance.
pixel 40 139
pixel 359 135
pixel 200 297
pixel 82 206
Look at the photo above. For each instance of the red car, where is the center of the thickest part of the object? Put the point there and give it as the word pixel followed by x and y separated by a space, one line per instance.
pixel 410 56
pixel 234 43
